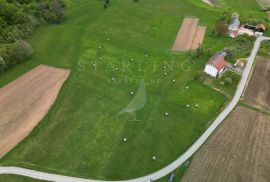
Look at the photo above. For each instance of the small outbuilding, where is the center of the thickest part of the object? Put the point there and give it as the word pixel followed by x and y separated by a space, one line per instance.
pixel 235 23
pixel 260 28
pixel 216 64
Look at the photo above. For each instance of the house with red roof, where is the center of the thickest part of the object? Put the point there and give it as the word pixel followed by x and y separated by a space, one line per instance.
pixel 216 64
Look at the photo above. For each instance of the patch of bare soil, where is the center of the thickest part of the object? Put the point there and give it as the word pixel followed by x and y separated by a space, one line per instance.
pixel 185 36
pixel 237 151
pixel 25 101
pixel 258 90
pixel 199 36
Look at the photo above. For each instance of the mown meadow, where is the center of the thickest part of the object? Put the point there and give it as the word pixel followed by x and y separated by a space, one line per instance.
pixel 81 135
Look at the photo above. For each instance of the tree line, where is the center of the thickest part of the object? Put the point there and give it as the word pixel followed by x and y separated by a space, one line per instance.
pixel 18 19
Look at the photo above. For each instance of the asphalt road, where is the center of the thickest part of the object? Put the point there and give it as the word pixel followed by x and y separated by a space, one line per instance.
pixel 178 162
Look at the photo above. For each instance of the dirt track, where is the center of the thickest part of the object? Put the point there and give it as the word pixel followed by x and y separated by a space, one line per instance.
pixel 185 36
pixel 25 101
pixel 258 90
pixel 238 151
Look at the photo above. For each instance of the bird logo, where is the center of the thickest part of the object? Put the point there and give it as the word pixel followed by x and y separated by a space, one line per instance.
pixel 137 103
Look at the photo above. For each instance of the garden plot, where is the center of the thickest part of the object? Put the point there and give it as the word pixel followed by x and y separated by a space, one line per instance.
pixel 190 35
pixel 185 36
pixel 199 36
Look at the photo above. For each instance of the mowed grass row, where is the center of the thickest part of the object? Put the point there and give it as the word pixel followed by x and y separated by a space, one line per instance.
pixel 16 178
pixel 81 135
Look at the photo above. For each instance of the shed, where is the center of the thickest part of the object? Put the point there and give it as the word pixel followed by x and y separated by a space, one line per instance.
pixel 260 28
pixel 235 23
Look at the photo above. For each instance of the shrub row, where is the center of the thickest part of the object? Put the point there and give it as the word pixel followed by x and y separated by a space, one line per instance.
pixel 18 19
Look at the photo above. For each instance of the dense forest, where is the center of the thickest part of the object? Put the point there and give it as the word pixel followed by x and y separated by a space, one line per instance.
pixel 18 19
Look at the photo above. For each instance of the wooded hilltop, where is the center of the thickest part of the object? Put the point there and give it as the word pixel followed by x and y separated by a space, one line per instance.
pixel 18 19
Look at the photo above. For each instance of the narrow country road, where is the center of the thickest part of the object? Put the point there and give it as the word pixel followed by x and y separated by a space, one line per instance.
pixel 166 170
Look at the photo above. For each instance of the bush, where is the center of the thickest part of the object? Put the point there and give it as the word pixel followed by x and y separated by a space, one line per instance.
pixel 221 28
pixel 2 64
pixel 18 19
pixel 20 51
pixel 53 12
pixel 228 81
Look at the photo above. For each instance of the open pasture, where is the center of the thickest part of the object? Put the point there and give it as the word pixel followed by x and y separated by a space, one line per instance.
pixel 81 135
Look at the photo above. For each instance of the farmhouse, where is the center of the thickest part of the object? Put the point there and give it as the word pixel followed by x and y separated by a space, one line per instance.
pixel 216 64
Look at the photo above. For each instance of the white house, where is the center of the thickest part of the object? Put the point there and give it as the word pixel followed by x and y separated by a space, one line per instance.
pixel 216 64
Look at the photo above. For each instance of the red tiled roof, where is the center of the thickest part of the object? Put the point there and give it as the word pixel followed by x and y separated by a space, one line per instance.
pixel 218 62
pixel 235 33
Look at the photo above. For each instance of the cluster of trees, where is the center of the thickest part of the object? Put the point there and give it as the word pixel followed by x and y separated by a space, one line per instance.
pixel 221 25
pixel 18 19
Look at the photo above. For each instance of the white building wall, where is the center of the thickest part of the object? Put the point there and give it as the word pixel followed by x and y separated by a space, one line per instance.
pixel 242 31
pixel 211 70
pixel 221 71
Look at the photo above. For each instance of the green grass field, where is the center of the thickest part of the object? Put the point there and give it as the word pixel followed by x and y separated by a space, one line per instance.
pixel 16 178
pixel 81 136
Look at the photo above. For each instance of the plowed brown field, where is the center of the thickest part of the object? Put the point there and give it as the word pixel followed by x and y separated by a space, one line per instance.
pixel 25 101
pixel 258 90
pixel 199 36
pixel 238 151
pixel 185 36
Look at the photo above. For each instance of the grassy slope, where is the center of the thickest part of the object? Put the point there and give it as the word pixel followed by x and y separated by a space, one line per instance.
pixel 15 178
pixel 249 8
pixel 80 136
